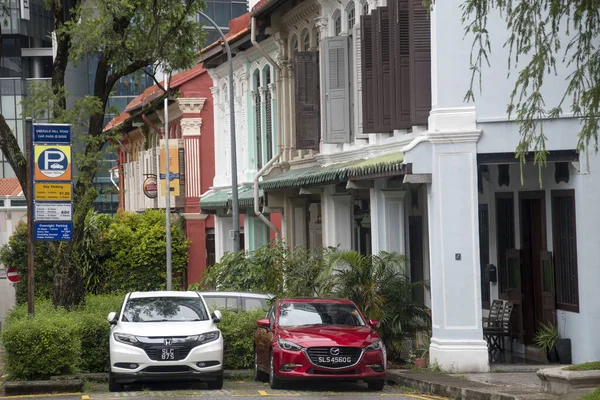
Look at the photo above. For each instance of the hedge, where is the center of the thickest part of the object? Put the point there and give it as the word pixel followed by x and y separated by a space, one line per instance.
pixel 57 342
pixel 238 331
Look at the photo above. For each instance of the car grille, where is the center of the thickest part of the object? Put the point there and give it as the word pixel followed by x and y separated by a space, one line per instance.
pixel 328 372
pixel 168 368
pixel 321 356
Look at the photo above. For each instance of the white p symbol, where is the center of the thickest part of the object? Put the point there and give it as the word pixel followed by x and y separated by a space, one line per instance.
pixel 52 156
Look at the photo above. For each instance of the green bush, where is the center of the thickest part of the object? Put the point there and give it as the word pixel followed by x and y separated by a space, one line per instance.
pixel 85 350
pixel 37 348
pixel 238 335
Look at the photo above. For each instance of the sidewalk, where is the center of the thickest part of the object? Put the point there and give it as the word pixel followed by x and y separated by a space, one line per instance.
pixel 514 382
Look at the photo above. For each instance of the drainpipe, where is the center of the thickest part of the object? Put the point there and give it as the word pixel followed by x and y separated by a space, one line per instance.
pixel 260 173
pixel 257 211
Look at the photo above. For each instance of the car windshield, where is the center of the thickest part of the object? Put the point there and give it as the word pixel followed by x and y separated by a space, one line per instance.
pixel 159 309
pixel 298 314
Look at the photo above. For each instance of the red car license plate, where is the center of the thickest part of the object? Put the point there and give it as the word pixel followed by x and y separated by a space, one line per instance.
pixel 335 360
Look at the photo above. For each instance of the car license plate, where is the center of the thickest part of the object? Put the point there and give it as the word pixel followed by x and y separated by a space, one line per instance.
pixel 168 354
pixel 335 360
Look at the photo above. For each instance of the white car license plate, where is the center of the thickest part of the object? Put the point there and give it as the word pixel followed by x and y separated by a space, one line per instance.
pixel 167 354
pixel 335 360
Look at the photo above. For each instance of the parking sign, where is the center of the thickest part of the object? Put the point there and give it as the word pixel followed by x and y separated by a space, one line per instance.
pixel 52 163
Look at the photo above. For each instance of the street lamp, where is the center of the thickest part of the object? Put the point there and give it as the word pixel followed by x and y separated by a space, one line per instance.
pixel 234 192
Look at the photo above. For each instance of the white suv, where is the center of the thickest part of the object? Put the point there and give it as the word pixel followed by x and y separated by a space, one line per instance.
pixel 165 336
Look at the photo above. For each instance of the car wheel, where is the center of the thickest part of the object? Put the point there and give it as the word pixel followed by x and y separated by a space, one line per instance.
pixel 376 385
pixel 274 383
pixel 216 385
pixel 259 376
pixel 113 385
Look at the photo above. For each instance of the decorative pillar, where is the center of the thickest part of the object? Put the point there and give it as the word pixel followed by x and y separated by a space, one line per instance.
pixel 191 130
pixel 452 198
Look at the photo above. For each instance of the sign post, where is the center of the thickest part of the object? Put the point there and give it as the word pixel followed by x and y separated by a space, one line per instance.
pixel 50 211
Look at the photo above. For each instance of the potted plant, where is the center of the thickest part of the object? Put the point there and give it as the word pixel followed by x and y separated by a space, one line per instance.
pixel 419 355
pixel 546 339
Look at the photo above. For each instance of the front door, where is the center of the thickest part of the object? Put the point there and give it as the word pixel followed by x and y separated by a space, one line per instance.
pixel 533 245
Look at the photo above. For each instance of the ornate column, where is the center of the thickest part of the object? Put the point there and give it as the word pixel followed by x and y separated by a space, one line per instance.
pixel 191 130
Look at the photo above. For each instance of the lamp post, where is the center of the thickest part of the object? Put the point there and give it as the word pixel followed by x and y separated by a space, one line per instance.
pixel 234 183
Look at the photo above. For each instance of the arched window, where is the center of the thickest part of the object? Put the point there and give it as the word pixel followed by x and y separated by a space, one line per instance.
pixel 305 40
pixel 337 23
pixel 268 114
pixel 293 46
pixel 365 7
pixel 315 37
pixel 258 118
pixel 351 16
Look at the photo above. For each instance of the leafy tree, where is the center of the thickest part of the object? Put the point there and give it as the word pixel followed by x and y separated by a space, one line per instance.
pixel 542 34
pixel 124 36
pixel 118 254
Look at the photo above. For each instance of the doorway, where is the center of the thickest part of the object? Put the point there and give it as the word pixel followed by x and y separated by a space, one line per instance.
pixel 532 207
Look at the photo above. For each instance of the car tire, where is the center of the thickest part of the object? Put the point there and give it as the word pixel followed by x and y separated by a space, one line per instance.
pixel 259 376
pixel 376 385
pixel 216 385
pixel 274 383
pixel 113 385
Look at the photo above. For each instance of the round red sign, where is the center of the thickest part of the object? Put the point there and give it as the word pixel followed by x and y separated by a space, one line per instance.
pixel 13 275
pixel 150 187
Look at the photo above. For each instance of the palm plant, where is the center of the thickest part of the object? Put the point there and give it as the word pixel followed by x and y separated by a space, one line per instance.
pixel 378 284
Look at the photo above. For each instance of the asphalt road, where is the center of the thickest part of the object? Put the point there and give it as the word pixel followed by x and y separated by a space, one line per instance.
pixel 239 390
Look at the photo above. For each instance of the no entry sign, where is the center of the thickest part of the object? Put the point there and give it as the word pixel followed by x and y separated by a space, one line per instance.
pixel 13 275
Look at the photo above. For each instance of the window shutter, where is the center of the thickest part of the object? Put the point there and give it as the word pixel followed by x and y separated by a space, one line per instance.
pixel 308 106
pixel 420 62
pixel 383 70
pixel 400 100
pixel 367 80
pixel 337 90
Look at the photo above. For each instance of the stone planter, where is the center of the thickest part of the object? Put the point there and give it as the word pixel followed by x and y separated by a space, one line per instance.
pixel 558 381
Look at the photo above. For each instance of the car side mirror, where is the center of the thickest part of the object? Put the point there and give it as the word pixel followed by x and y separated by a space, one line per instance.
pixel 216 316
pixel 112 318
pixel 263 323
pixel 374 323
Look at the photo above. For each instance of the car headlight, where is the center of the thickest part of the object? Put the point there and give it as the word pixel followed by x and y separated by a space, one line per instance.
pixel 287 345
pixel 376 345
pixel 125 338
pixel 205 337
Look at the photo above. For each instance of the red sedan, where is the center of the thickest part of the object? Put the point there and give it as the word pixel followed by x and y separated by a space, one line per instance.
pixel 318 338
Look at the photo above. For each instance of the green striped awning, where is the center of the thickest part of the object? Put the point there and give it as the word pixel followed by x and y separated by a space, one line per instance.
pixel 385 165
pixel 222 199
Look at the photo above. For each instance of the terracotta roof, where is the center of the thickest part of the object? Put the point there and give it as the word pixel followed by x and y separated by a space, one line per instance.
pixel 10 187
pixel 152 93
pixel 263 5
pixel 237 27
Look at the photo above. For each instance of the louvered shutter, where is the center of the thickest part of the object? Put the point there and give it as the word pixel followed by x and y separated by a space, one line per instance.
pixel 420 62
pixel 308 106
pixel 337 90
pixel 400 99
pixel 366 70
pixel 383 70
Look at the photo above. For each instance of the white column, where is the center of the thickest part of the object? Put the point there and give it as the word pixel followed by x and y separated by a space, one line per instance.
pixel 377 217
pixel 337 219
pixel 299 222
pixel 223 243
pixel 457 343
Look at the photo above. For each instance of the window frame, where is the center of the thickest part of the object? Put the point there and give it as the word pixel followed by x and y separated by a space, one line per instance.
pixel 558 267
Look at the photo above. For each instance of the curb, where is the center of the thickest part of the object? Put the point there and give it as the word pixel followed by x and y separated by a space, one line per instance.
pixel 445 390
pixel 42 387
pixel 74 383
